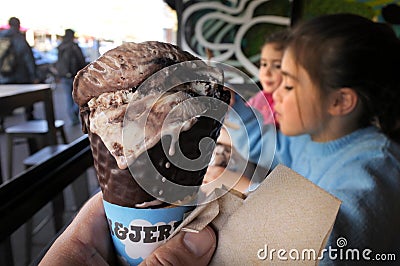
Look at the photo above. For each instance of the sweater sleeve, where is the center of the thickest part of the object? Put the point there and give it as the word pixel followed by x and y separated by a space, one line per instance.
pixel 369 217
pixel 245 130
pixel 363 171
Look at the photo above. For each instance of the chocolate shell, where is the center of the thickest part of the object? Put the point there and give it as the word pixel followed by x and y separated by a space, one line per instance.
pixel 125 68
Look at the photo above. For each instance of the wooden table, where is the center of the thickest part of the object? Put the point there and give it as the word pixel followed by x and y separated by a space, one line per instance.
pixel 13 96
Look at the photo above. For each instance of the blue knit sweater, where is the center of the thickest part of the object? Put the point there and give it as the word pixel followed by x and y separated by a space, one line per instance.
pixel 362 169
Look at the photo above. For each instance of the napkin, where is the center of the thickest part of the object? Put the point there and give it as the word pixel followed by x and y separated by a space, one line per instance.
pixel 286 220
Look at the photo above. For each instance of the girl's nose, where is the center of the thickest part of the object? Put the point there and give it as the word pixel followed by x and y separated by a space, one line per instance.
pixel 268 70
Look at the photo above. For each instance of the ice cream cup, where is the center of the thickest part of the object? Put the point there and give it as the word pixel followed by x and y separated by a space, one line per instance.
pixel 136 233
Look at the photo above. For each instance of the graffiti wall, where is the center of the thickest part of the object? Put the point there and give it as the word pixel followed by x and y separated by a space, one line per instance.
pixel 231 31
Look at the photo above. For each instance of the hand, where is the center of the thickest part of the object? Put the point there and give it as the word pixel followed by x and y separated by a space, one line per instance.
pixel 221 176
pixel 213 173
pixel 185 249
pixel 87 241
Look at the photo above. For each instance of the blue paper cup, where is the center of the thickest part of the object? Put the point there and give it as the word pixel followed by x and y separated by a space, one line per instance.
pixel 136 233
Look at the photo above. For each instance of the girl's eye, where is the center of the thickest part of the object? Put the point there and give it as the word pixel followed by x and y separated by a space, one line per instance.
pixel 288 88
pixel 272 66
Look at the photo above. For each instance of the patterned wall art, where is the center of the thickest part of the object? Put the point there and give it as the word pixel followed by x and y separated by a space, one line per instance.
pixel 231 31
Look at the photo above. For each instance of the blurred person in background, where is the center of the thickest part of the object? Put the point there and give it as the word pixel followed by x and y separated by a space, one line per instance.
pixel 22 70
pixel 70 61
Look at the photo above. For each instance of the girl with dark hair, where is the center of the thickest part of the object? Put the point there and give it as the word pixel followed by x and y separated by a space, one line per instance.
pixel 338 108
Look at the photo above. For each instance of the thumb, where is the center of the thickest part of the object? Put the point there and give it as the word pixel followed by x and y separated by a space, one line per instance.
pixel 185 249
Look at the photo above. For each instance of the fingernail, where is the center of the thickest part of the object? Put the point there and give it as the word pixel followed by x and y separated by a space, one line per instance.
pixel 199 243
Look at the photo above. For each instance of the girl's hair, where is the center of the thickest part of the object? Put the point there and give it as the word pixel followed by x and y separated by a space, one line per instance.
pixel 279 38
pixel 345 50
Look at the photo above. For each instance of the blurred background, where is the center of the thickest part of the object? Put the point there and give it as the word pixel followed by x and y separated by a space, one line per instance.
pixel 233 30
pixel 227 31
pixel 98 25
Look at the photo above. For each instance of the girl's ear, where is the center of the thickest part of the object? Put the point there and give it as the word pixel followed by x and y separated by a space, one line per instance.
pixel 342 102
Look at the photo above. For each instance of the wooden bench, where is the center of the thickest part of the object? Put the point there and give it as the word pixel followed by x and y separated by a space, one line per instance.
pixel 25 194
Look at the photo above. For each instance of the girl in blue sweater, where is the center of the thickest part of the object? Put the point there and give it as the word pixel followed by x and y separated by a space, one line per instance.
pixel 338 109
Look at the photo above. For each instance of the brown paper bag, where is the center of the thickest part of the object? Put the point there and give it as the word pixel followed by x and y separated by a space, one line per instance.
pixel 286 220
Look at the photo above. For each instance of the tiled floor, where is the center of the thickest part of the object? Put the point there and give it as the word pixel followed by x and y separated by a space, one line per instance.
pixel 73 203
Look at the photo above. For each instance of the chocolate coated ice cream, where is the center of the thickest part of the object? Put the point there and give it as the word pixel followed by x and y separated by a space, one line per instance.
pixel 119 92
